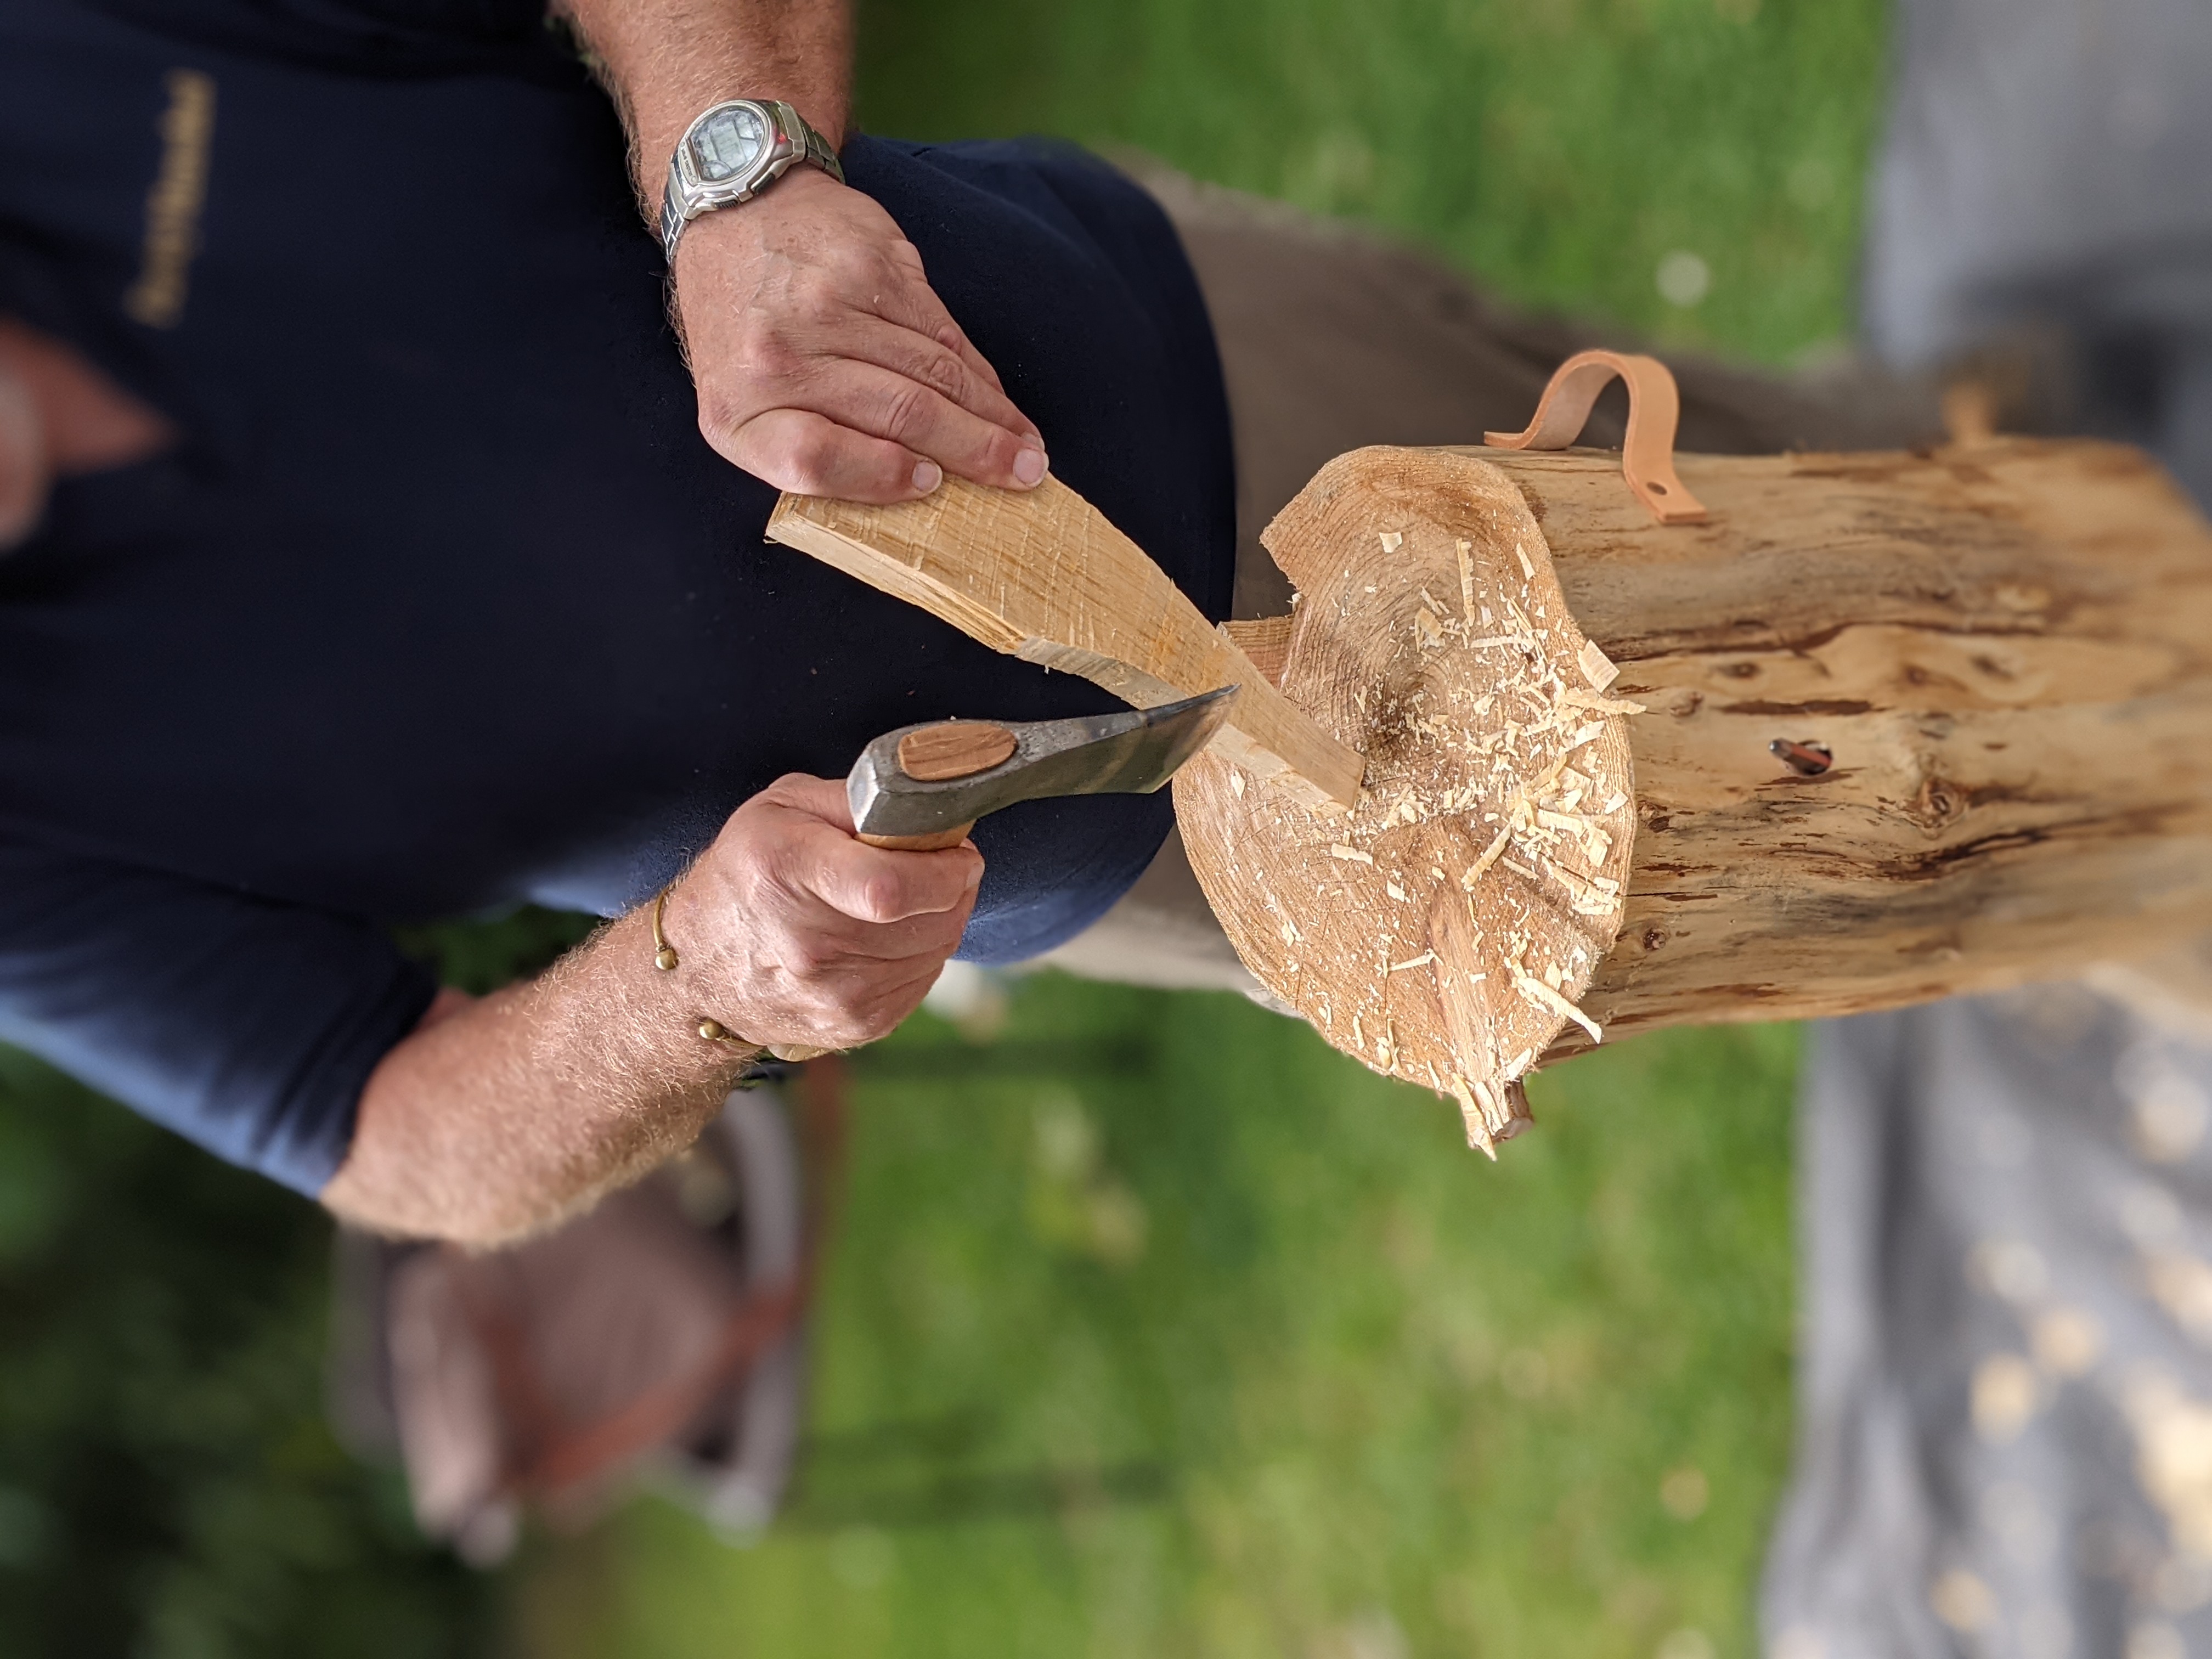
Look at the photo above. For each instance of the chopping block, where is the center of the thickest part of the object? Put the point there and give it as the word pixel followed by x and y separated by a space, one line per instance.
pixel 1556 743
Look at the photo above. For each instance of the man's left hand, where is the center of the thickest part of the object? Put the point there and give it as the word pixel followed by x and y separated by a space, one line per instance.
pixel 825 364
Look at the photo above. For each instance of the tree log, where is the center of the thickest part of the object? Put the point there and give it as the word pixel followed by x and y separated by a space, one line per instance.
pixel 1880 728
pixel 2000 651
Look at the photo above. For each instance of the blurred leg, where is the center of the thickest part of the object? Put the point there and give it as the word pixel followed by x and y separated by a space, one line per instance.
pixel 2007 1204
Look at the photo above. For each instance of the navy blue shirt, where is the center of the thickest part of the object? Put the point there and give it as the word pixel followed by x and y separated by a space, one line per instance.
pixel 442 605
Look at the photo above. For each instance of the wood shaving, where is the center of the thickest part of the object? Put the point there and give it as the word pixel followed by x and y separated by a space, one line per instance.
pixel 1476 1120
pixel 1351 854
pixel 1537 992
pixel 1597 668
pixel 1597 705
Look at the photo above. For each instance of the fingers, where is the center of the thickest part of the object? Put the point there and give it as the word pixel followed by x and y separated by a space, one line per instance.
pixel 843 1012
pixel 914 308
pixel 877 885
pixel 964 378
pixel 803 934
pixel 880 403
pixel 809 454
pixel 825 797
pixel 884 383
pixel 817 854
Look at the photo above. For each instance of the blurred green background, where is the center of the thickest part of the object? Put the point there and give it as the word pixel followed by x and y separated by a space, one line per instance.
pixel 1152 1326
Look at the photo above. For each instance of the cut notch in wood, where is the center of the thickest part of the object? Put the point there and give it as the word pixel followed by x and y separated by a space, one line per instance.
pixel 1444 930
pixel 1043 576
pixel 1647 450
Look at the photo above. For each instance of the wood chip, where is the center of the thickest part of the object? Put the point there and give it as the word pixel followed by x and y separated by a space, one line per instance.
pixel 1420 960
pixel 1591 703
pixel 1490 854
pixel 1474 1118
pixel 1351 854
pixel 1597 667
pixel 1537 992
pixel 1391 540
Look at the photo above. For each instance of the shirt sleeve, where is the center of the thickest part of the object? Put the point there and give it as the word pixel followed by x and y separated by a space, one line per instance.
pixel 248 1026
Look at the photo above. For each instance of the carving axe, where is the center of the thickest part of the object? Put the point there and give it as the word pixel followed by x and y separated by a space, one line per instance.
pixel 922 787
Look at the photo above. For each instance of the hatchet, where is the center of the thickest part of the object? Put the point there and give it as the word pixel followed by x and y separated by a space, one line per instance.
pixel 922 787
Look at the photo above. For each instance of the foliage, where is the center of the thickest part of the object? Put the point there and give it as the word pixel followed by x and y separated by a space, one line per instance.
pixel 1156 1327
pixel 168 1489
pixel 1560 150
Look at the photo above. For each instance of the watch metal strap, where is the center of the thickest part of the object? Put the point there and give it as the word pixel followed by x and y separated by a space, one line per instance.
pixel 671 216
pixel 815 148
pixel 807 145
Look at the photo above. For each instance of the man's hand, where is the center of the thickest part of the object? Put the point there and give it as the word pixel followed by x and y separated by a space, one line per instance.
pixel 502 1113
pixel 825 364
pixel 792 932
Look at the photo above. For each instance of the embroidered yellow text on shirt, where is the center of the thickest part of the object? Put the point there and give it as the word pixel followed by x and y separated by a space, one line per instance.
pixel 173 206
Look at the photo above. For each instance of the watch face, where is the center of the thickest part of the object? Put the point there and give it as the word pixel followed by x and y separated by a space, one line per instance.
pixel 728 142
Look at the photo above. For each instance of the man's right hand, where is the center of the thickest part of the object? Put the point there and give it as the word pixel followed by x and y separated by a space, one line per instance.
pixel 790 931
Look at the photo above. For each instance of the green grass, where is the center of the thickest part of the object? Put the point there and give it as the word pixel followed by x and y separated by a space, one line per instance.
pixel 1560 150
pixel 1231 1348
pixel 1159 1329
pixel 1152 1327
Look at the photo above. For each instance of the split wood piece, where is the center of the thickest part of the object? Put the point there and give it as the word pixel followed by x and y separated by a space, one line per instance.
pixel 2005 651
pixel 1043 576
pixel 1443 931
pixel 1647 450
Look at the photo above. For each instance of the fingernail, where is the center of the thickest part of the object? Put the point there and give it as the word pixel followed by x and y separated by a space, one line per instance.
pixel 927 475
pixel 1029 466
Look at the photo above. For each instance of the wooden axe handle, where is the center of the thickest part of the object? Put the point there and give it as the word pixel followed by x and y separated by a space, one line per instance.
pixel 936 842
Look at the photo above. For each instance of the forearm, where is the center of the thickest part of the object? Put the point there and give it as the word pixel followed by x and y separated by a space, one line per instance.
pixel 519 1109
pixel 523 1107
pixel 666 60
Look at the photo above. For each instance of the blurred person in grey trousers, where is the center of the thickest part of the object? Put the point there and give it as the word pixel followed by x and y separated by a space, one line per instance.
pixel 2005 1401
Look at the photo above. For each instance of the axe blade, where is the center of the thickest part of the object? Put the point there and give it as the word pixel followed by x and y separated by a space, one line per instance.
pixel 1124 754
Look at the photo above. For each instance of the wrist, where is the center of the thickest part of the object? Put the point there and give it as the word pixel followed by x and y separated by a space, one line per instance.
pixel 739 226
pixel 731 153
pixel 681 990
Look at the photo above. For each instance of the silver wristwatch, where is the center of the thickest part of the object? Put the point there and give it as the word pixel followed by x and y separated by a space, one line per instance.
pixel 732 153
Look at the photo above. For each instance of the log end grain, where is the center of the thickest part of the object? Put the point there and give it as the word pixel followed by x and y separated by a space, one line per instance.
pixel 1442 931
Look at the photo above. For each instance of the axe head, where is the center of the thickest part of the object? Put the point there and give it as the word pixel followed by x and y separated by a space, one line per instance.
pixel 992 765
